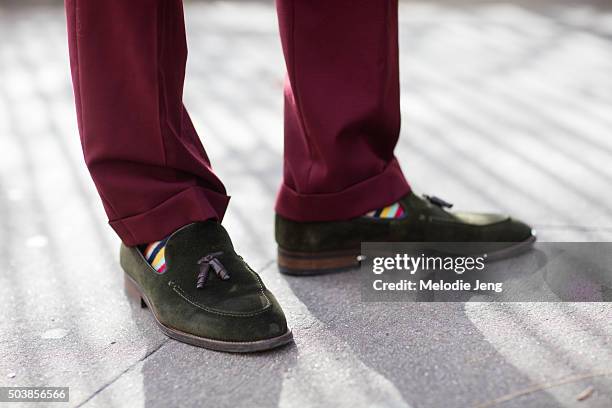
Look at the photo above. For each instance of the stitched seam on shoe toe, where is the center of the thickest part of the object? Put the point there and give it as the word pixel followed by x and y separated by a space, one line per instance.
pixel 195 303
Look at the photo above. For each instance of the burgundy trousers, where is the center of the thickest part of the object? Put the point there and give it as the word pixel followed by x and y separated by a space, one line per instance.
pixel 342 115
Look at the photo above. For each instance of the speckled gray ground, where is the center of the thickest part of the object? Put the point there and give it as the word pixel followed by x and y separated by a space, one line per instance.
pixel 507 106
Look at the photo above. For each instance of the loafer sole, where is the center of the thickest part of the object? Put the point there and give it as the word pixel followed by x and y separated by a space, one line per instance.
pixel 134 291
pixel 320 263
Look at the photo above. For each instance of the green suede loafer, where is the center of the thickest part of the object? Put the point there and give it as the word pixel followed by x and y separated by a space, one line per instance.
pixel 207 296
pixel 307 248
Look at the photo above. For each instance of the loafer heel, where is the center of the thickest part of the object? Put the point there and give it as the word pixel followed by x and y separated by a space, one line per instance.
pixel 314 263
pixel 132 291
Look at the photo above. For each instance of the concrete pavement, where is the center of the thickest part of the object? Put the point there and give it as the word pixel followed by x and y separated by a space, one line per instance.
pixel 506 106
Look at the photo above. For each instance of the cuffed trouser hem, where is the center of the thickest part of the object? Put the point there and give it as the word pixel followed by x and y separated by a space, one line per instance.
pixel 373 193
pixel 190 205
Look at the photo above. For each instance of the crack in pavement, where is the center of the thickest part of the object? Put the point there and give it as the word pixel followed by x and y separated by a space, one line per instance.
pixel 146 356
pixel 118 376
pixel 541 387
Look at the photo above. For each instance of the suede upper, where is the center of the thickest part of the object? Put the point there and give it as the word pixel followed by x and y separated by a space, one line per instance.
pixel 238 309
pixel 424 222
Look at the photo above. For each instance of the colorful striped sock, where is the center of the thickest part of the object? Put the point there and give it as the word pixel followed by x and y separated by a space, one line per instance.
pixel 154 253
pixel 394 210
